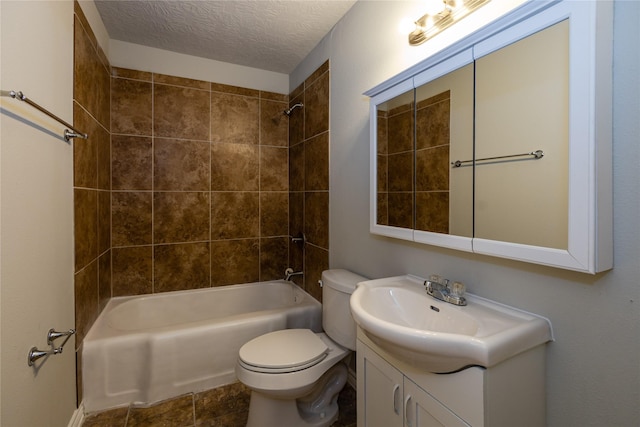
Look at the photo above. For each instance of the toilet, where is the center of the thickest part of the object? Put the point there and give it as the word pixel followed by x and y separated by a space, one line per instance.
pixel 295 375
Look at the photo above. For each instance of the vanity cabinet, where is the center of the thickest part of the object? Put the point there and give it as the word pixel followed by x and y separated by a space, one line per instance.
pixel 393 393
pixel 393 400
pixel 454 141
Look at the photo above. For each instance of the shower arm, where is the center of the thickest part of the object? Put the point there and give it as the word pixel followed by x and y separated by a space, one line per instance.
pixel 288 111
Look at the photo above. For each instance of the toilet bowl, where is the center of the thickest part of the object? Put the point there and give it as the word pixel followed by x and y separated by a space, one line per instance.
pixel 295 375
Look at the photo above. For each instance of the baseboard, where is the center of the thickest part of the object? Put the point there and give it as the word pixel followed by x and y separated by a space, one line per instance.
pixel 77 418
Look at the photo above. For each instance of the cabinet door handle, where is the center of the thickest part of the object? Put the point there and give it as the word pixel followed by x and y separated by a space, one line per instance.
pixel 407 412
pixel 394 396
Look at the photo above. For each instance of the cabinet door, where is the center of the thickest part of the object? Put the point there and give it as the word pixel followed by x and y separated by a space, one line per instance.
pixel 422 410
pixel 379 391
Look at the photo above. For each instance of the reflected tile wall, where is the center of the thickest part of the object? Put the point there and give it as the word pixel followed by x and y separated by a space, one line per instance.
pixel 425 205
pixel 382 165
pixel 433 163
pixel 309 178
pixel 201 173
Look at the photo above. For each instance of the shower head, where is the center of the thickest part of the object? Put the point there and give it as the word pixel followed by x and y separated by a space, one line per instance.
pixel 293 107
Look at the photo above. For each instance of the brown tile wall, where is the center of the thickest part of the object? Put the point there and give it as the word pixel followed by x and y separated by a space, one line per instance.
pixel 199 184
pixel 309 178
pixel 92 179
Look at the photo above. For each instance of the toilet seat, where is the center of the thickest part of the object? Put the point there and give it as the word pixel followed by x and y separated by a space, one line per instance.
pixel 283 351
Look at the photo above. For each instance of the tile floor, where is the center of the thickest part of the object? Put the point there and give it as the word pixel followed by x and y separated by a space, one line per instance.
pixel 221 407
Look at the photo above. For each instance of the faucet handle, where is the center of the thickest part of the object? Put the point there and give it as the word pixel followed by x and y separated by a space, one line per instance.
pixel 435 278
pixel 458 289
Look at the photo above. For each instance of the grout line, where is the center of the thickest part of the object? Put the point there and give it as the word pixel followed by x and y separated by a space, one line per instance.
pixel 76 102
pixel 126 417
pixel 160 137
pixel 153 148
pixel 305 286
pixel 193 406
pixel 110 189
pixel 259 188
pixel 210 167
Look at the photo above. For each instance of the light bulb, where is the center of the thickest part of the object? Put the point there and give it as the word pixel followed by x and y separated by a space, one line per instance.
pixel 433 7
pixel 406 26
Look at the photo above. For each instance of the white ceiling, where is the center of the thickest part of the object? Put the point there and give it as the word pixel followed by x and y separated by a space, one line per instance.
pixel 273 35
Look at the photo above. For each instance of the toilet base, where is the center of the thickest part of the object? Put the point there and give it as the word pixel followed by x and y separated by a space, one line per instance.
pixel 318 409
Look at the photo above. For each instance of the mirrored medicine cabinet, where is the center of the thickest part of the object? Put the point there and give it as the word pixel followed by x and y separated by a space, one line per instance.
pixel 501 143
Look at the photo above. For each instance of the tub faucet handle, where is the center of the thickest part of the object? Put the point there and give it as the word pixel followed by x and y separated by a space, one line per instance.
pixel 289 273
pixel 300 238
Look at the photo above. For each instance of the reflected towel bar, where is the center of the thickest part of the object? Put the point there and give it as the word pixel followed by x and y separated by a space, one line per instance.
pixel 538 154
pixel 67 133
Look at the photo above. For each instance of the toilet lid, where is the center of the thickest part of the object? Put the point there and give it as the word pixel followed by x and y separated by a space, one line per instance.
pixel 283 351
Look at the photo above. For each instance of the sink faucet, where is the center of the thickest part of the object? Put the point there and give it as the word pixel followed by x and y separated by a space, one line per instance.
pixel 441 289
pixel 289 273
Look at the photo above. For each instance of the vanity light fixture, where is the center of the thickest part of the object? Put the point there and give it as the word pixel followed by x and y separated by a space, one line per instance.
pixel 447 13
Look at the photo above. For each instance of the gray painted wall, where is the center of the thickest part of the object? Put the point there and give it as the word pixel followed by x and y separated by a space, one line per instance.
pixel 593 372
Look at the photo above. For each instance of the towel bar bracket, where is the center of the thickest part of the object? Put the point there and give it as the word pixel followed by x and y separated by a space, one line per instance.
pixel 68 134
pixel 52 335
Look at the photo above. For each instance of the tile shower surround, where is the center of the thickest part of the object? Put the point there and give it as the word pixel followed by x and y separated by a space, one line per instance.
pixel 309 178
pixel 199 192
pixel 168 201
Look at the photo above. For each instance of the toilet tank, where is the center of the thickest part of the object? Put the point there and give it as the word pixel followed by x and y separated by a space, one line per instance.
pixel 337 322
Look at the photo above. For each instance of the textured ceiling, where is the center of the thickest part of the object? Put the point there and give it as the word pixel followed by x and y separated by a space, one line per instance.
pixel 271 35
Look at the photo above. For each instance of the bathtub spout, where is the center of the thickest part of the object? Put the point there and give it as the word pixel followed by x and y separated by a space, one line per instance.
pixel 289 273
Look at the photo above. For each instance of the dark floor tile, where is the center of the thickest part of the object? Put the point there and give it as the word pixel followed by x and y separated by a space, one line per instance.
pixel 236 419
pixel 111 418
pixel 347 405
pixel 226 406
pixel 176 412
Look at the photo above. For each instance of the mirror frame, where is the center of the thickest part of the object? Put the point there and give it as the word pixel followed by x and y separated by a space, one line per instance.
pixel 590 237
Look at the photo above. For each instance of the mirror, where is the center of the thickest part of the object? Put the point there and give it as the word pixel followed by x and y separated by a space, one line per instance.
pixel 423 132
pixel 522 105
pixel 482 148
pixel 395 130
pixel 444 131
pixel 418 133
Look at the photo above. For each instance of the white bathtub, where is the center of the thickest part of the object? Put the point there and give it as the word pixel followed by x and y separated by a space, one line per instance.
pixel 149 348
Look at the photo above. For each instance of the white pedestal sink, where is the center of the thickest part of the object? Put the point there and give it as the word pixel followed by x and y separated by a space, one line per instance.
pixel 397 314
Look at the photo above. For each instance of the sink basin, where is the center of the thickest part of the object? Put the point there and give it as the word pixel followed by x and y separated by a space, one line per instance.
pixel 397 314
